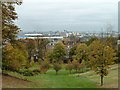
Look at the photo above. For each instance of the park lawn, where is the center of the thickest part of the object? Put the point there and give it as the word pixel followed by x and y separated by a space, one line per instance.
pixel 88 79
pixel 51 80
pixel 62 80
pixel 110 81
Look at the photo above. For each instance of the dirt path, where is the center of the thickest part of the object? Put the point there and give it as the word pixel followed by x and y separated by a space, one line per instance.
pixel 13 82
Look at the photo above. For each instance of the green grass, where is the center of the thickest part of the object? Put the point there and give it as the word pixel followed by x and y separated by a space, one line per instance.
pixel 65 80
pixel 110 81
pixel 62 80
pixel 51 80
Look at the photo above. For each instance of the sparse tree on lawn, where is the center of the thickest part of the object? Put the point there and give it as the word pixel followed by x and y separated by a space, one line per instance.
pixel 75 64
pixel 101 56
pixel 57 67
pixel 44 67
pixel 59 52
pixel 69 67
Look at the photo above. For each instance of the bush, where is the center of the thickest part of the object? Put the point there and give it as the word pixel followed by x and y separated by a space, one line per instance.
pixel 27 66
pixel 69 67
pixel 28 73
pixel 37 71
pixel 40 61
pixel 32 62
pixel 75 64
pixel 44 66
pixel 57 67
pixel 13 57
pixel 80 67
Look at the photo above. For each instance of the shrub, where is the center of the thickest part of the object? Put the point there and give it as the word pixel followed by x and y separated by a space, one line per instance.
pixel 80 67
pixel 14 57
pixel 37 71
pixel 57 67
pixel 28 73
pixel 40 61
pixel 27 66
pixel 32 62
pixel 44 66
pixel 69 67
pixel 75 64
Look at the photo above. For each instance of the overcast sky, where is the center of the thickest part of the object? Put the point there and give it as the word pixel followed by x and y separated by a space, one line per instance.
pixel 71 15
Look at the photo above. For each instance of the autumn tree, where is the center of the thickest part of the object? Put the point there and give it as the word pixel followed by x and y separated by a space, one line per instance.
pixel 81 52
pixel 14 57
pixel 75 64
pixel 9 29
pixel 69 67
pixel 44 66
pixel 101 56
pixel 30 44
pixel 49 55
pixel 57 67
pixel 112 41
pixel 72 51
pixel 90 41
pixel 41 47
pixel 59 52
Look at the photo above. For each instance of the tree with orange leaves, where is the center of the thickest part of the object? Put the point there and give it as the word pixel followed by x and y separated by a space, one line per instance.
pixel 101 56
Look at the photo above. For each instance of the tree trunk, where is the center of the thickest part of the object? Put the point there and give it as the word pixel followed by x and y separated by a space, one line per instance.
pixel 56 72
pixel 101 80
pixel 70 71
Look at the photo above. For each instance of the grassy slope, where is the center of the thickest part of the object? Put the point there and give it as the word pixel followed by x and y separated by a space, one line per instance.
pixel 62 80
pixel 51 80
pixel 110 81
pixel 65 80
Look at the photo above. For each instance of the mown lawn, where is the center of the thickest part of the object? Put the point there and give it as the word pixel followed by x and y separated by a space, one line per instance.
pixel 51 80
pixel 110 81
pixel 62 80
pixel 65 80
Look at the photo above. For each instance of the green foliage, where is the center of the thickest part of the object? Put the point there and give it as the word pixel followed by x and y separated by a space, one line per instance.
pixel 57 54
pixel 30 44
pixel 72 51
pixel 59 51
pixel 28 73
pixel 29 64
pixel 44 66
pixel 32 62
pixel 37 71
pixel 81 52
pixel 69 67
pixel 41 47
pixel 49 54
pixel 40 61
pixel 57 67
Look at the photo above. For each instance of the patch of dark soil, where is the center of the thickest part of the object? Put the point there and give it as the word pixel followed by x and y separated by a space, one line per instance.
pixel 3 74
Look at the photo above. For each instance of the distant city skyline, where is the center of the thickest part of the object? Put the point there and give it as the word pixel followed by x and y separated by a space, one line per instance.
pixel 70 15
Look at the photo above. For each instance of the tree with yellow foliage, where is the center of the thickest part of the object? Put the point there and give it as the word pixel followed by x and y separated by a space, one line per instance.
pixel 81 52
pixel 101 56
pixel 13 57
pixel 59 52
